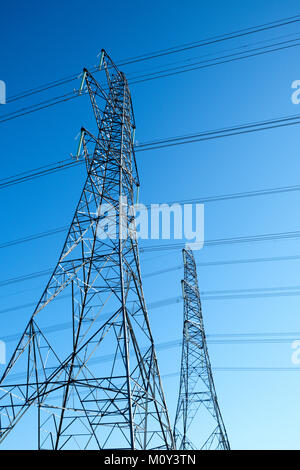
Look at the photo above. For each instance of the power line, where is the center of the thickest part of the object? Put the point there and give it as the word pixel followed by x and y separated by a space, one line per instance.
pixel 212 132
pixel 45 272
pixel 70 163
pixel 288 291
pixel 164 52
pixel 45 102
pixel 226 338
pixel 144 78
pixel 39 106
pixel 162 247
pixel 42 273
pixel 168 142
pixel 227 241
pixel 26 277
pixel 176 374
pixel 222 263
pixel 175 344
pixel 216 61
pixel 32 175
pixel 29 172
pixel 215 39
pixel 217 134
pixel 34 237
pixel 133 77
pixel 245 369
pixel 251 290
pixel 242 48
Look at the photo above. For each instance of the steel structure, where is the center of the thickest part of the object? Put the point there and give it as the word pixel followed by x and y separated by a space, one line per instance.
pixel 79 397
pixel 197 394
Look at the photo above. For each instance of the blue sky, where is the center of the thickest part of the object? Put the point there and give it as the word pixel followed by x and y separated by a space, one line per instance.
pixel 45 41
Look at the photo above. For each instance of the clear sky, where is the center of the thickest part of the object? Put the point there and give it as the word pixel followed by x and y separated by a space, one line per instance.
pixel 45 41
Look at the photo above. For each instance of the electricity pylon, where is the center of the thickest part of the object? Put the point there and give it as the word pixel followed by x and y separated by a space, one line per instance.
pixel 197 394
pixel 83 399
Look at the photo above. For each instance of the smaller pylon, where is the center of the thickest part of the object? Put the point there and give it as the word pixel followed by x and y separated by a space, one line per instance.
pixel 197 394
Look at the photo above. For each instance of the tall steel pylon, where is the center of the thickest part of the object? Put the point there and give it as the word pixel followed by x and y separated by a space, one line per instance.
pixel 197 394
pixel 98 387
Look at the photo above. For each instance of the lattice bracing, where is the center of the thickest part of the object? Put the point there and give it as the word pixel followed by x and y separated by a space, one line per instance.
pixel 97 387
pixel 198 416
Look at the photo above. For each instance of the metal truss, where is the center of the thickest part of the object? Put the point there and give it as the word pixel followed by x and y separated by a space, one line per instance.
pixel 197 394
pixel 78 398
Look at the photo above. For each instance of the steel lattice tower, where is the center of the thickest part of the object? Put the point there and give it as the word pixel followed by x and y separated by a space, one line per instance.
pixel 82 398
pixel 197 394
